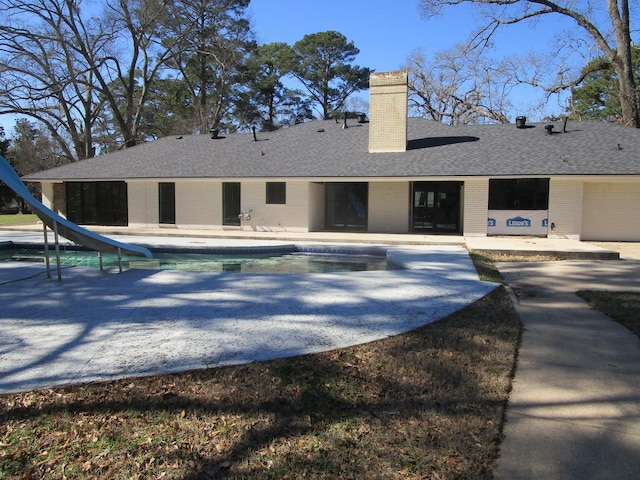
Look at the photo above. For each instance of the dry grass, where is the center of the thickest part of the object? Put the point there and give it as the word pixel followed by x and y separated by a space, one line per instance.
pixel 425 404
pixel 624 307
pixel 494 256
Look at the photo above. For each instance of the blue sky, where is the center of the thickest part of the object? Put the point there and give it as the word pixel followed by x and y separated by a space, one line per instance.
pixel 387 32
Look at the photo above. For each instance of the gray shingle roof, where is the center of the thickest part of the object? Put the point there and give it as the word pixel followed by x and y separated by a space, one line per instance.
pixel 323 149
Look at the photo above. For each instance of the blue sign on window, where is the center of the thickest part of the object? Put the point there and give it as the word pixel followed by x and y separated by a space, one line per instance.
pixel 491 222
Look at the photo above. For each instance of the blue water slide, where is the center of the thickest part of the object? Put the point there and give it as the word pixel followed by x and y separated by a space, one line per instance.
pixel 61 225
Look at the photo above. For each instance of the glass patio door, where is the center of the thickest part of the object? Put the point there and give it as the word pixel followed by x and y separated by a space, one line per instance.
pixel 436 207
pixel 346 206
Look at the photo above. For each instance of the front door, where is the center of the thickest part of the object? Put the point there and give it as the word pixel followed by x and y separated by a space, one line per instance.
pixel 436 207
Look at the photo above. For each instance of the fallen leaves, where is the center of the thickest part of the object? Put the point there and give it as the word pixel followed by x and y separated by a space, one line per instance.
pixel 421 405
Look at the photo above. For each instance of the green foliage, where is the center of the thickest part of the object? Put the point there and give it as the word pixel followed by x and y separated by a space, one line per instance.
pixel 5 192
pixel 210 61
pixel 598 97
pixel 322 63
pixel 267 101
pixel 4 142
pixel 137 71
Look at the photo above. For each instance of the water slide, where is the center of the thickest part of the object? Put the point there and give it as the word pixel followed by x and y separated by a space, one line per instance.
pixel 62 226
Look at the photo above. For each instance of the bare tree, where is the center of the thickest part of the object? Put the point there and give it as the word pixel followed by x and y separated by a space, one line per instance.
pixel 459 87
pixel 128 67
pixel 612 38
pixel 70 68
pixel 44 75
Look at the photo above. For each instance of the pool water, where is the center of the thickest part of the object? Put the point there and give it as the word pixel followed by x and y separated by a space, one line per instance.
pixel 295 262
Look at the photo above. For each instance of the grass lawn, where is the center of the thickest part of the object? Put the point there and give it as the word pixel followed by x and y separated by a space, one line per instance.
pixel 623 307
pixel 425 404
pixel 19 219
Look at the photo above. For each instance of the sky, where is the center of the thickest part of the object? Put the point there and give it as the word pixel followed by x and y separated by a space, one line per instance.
pixel 387 31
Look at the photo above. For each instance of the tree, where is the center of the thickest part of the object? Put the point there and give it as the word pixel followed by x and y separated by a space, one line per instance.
pixel 132 62
pixel 4 142
pixel 44 76
pixel 211 58
pixel 597 97
pixel 6 194
pixel 267 101
pixel 69 68
pixel 31 150
pixel 459 87
pixel 612 38
pixel 321 62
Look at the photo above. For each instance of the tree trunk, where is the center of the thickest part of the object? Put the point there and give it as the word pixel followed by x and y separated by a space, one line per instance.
pixel 624 65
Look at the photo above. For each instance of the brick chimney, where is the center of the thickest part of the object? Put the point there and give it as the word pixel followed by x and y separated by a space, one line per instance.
pixel 388 110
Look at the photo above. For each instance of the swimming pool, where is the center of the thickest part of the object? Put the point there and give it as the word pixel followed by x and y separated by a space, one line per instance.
pixel 288 259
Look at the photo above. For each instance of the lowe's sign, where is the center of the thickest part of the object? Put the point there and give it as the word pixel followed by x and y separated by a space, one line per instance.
pixel 517 222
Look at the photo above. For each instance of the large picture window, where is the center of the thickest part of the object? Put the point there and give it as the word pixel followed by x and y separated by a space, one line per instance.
pixel 97 203
pixel 519 194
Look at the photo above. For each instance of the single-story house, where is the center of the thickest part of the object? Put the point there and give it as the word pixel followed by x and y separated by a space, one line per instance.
pixel 391 173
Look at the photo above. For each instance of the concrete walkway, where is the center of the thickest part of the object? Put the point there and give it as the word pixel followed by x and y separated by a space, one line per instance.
pixel 574 412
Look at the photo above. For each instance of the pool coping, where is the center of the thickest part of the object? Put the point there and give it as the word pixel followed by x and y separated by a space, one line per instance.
pixel 410 257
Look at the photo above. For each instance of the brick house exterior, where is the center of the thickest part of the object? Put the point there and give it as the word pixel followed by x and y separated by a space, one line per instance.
pixel 390 174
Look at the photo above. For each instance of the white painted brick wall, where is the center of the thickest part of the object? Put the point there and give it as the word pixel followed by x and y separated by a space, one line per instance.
pixel 198 204
pixel 611 211
pixel 291 217
pixel 565 208
pixel 47 194
pixel 475 207
pixel 142 200
pixel 316 206
pixel 388 207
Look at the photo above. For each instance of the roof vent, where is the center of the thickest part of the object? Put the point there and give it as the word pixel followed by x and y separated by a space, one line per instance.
pixel 549 129
pixel 521 122
pixel 362 118
pixel 214 133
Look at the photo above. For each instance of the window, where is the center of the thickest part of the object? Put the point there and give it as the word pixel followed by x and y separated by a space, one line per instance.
pixel 97 203
pixel 277 192
pixel 519 194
